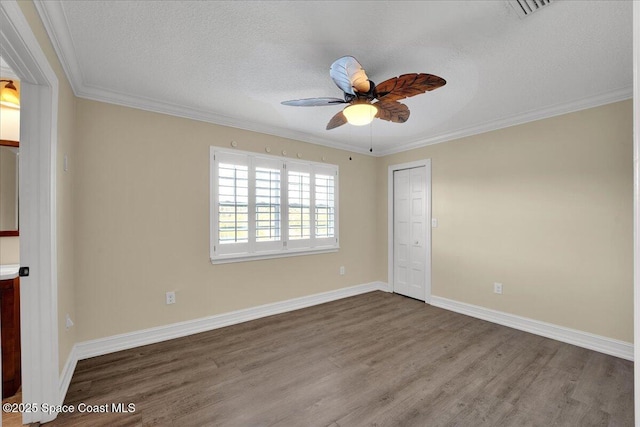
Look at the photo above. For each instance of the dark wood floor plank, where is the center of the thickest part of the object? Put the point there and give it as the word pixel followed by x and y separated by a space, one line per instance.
pixel 606 383
pixel 374 359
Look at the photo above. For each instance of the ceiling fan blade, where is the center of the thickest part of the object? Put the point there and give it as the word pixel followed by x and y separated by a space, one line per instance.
pixel 337 120
pixel 314 102
pixel 392 111
pixel 348 75
pixel 408 85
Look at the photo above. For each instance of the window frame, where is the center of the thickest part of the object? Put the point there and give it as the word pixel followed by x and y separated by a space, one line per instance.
pixel 283 247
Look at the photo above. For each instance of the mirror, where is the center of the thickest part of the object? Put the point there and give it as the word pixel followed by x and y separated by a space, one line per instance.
pixel 9 188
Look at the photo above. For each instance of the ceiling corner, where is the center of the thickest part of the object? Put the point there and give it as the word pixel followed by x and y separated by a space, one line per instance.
pixel 55 23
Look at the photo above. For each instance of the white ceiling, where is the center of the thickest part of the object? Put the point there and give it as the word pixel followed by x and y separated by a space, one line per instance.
pixel 233 62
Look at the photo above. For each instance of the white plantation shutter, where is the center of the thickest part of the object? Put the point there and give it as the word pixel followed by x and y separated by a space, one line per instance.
pixel 299 204
pixel 231 205
pixel 265 206
pixel 325 220
pixel 268 203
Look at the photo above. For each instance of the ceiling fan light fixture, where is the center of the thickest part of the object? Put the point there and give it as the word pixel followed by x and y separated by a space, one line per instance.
pixel 360 114
pixel 9 95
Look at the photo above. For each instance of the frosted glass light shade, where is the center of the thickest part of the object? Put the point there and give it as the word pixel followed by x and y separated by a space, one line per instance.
pixel 360 114
pixel 9 94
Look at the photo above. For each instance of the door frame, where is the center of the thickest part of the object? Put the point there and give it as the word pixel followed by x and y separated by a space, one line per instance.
pixel 636 202
pixel 390 229
pixel 38 243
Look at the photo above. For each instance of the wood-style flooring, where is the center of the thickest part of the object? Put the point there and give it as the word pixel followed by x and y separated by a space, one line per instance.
pixel 376 359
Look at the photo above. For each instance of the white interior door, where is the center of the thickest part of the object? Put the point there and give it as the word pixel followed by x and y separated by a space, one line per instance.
pixel 410 239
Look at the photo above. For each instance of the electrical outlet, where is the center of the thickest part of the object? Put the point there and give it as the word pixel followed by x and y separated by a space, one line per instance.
pixel 69 322
pixel 171 297
pixel 497 288
pixel 342 270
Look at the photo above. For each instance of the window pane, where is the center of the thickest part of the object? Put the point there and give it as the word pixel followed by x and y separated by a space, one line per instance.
pixel 325 206
pixel 299 205
pixel 267 205
pixel 233 210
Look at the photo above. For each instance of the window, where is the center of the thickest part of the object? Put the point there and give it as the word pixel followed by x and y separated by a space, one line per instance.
pixel 233 205
pixel 299 205
pixel 266 206
pixel 325 205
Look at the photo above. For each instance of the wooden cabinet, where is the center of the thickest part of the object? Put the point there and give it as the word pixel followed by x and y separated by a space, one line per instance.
pixel 10 312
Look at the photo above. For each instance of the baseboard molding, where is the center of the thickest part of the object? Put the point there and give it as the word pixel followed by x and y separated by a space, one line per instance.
pixel 98 347
pixel 67 374
pixel 101 346
pixel 598 343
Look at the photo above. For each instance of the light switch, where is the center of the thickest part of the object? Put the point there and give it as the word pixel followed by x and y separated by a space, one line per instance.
pixel 434 223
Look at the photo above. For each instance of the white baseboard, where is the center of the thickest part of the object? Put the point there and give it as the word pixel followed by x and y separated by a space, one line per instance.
pixel 598 343
pixel 101 346
pixel 66 374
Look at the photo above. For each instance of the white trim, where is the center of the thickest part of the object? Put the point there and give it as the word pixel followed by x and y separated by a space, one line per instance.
pixel 598 343
pixel 516 119
pixel 228 259
pixel 284 246
pixel 636 198
pixel 392 168
pixel 38 244
pixel 8 72
pixel 53 16
pixel 67 373
pixel 129 340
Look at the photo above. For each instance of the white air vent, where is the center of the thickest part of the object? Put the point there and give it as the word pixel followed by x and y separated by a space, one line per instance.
pixel 527 7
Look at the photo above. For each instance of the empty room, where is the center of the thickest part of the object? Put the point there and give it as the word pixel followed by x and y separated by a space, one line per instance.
pixel 319 213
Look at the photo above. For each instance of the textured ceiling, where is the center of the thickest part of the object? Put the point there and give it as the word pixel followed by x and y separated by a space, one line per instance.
pixel 233 62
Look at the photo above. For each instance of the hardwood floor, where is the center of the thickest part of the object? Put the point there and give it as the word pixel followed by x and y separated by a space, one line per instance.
pixel 375 359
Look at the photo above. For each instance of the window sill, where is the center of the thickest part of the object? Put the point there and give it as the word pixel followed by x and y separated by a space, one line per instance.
pixel 227 259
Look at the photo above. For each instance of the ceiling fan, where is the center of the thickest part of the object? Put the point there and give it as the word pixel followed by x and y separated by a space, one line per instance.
pixel 360 93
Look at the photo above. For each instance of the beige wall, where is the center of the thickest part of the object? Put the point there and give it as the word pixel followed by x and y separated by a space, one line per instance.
pixel 65 215
pixel 142 224
pixel 544 208
pixel 10 118
pixel 9 250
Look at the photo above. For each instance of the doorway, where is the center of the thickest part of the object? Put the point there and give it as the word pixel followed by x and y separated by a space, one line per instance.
pixel 10 242
pixel 409 223
pixel 37 171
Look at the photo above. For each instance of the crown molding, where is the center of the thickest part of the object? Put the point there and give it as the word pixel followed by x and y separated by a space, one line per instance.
pixel 518 119
pixel 157 106
pixel 6 71
pixel 55 23
pixel 53 17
